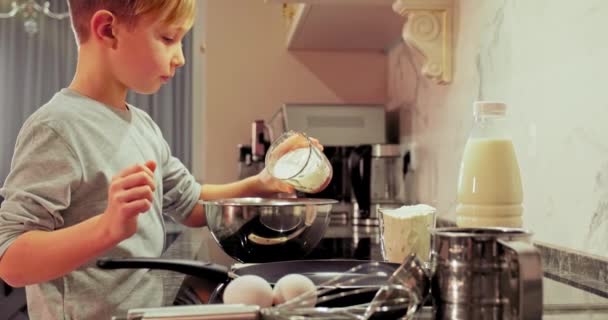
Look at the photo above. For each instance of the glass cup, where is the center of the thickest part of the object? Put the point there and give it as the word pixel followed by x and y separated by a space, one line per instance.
pixel 405 231
pixel 294 159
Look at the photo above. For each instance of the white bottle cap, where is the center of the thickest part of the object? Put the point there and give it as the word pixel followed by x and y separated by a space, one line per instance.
pixel 487 108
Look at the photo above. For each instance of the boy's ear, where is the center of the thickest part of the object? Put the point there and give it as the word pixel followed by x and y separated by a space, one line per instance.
pixel 103 27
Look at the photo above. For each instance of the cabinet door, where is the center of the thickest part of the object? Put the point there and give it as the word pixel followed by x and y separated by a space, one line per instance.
pixel 354 25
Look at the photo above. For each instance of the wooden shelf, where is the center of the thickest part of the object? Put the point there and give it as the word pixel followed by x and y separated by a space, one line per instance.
pixel 368 25
pixel 376 25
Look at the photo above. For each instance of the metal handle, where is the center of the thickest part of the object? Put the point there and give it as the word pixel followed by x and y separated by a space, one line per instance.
pixel 199 269
pixel 529 291
pixel 203 312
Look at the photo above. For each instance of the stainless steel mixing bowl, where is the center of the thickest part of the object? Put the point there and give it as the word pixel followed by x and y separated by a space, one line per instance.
pixel 265 230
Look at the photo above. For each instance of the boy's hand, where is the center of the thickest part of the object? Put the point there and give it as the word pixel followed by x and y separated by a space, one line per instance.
pixel 130 193
pixel 270 184
pixel 316 143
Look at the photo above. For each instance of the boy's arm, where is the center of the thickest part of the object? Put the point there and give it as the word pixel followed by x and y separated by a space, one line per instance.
pixel 260 185
pixel 39 256
pixel 179 185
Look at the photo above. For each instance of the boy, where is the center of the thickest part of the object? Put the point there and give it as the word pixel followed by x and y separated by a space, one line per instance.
pixel 91 174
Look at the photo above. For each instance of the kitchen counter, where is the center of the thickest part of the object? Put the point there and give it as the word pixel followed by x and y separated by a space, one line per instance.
pixel 561 301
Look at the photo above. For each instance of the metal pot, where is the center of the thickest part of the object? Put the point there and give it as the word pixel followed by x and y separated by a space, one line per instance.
pixel 265 230
pixel 486 273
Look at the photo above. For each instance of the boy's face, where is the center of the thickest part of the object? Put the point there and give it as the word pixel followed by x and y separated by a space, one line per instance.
pixel 148 53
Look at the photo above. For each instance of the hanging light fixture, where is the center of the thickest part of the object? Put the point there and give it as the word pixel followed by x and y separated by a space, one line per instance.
pixel 29 10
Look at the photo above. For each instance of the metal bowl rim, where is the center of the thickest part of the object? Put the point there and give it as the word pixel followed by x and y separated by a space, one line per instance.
pixel 490 232
pixel 269 202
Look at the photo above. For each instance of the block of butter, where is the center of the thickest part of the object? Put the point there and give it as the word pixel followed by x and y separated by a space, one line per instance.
pixel 406 230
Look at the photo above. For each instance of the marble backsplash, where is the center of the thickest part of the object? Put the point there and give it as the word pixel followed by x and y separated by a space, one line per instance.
pixel 547 59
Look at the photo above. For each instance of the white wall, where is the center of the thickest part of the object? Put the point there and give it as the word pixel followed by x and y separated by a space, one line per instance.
pixel 548 60
pixel 249 74
pixel 198 65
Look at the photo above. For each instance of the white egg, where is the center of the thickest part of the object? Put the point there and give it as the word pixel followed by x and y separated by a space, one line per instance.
pixel 248 289
pixel 293 285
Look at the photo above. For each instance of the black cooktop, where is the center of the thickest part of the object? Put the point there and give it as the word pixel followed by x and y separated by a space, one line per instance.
pixel 341 248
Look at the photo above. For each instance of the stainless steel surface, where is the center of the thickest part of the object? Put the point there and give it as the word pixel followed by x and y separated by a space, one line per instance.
pixel 372 222
pixel 372 217
pixel 372 233
pixel 200 312
pixel 376 181
pixel 338 124
pixel 386 150
pixel 414 275
pixel 387 181
pixel 271 202
pixel 246 166
pixel 261 135
pixel 527 287
pixel 343 207
pixel 263 229
pixel 486 273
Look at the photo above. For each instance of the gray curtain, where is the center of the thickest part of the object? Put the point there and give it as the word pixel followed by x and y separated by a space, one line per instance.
pixel 34 67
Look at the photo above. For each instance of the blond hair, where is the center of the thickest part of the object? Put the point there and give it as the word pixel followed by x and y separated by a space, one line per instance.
pixel 81 12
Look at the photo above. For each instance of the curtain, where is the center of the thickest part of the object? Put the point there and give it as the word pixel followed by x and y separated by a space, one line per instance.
pixel 34 67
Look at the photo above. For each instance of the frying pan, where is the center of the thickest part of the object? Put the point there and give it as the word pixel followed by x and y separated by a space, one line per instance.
pixel 319 271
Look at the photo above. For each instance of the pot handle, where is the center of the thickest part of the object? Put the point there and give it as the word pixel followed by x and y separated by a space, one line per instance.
pixel 528 293
pixel 199 269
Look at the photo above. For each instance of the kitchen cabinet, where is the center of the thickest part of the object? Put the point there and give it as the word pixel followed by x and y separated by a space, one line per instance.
pixel 374 25
pixel 368 25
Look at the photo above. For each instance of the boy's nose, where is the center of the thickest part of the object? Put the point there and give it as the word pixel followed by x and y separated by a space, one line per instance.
pixel 179 59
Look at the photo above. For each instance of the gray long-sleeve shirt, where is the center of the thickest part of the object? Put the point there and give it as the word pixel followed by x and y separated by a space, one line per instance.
pixel 65 157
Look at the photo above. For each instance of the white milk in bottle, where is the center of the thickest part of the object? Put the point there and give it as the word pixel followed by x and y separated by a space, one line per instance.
pixel 489 186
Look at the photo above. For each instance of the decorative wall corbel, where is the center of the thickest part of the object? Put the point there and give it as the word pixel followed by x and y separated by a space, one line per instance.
pixel 429 29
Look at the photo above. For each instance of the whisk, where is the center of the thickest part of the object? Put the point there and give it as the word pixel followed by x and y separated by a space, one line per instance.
pixel 399 294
